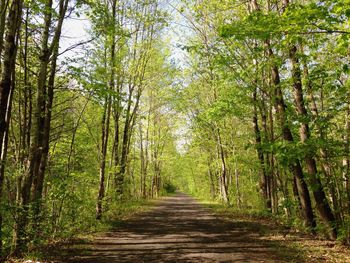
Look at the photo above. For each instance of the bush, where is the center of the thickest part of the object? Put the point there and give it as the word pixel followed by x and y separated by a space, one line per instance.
pixel 169 188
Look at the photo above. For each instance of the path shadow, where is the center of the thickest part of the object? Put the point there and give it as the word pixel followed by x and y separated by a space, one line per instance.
pixel 181 230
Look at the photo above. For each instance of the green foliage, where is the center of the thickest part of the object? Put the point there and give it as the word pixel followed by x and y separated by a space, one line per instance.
pixel 191 125
pixel 169 187
pixel 344 233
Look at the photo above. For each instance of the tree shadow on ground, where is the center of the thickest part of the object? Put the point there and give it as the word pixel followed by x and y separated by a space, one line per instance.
pixel 181 230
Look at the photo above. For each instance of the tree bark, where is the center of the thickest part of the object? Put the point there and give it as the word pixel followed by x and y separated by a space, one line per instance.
pixel 3 13
pixel 32 188
pixel 13 24
pixel 325 162
pixel 106 117
pixel 295 168
pixel 103 155
pixel 223 175
pixel 317 187
pixel 54 49
pixel 263 172
pixel 280 108
pixel 346 160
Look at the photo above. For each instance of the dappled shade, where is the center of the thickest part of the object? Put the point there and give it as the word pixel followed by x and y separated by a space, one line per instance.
pixel 179 229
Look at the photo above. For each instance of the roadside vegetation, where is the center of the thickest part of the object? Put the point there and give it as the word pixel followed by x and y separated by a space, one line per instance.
pixel 246 103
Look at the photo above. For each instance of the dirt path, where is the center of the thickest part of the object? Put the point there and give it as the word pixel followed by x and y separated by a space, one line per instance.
pixel 179 229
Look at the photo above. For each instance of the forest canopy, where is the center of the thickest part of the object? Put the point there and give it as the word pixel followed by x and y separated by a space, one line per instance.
pixel 246 103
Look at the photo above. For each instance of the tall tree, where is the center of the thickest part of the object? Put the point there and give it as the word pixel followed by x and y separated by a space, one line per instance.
pixel 40 138
pixel 7 83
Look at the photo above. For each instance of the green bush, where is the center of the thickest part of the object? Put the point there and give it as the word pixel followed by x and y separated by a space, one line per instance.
pixel 169 187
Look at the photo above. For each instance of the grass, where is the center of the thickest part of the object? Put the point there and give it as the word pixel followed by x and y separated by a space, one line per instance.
pixel 296 245
pixel 292 244
pixel 112 219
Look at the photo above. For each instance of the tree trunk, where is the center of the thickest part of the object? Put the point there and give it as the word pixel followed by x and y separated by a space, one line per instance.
pixel 144 156
pixel 3 13
pixel 263 173
pixel 280 108
pixel 295 167
pixel 325 161
pixel 317 187
pixel 123 160
pixel 103 155
pixel 7 86
pixel 346 160
pixel 106 118
pixel 53 51
pixel 39 148
pixel 273 168
pixel 223 175
pixel 238 192
pixel 212 181
pixel 142 163
pixel 4 152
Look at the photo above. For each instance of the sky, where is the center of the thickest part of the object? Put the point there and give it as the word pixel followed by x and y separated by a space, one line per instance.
pixel 75 30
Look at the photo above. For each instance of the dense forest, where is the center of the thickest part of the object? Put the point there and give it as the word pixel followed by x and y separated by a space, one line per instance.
pixel 242 102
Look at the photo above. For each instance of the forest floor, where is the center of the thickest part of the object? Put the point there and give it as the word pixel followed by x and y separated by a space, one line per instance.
pixel 180 229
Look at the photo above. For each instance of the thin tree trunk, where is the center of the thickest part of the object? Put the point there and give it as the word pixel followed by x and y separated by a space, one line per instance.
pixel 144 156
pixel 238 192
pixel 263 172
pixel 106 117
pixel 273 168
pixel 104 146
pixel 212 181
pixel 223 176
pixel 142 162
pixel 346 160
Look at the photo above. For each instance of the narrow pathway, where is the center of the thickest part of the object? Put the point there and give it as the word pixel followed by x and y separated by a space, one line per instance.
pixel 179 229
